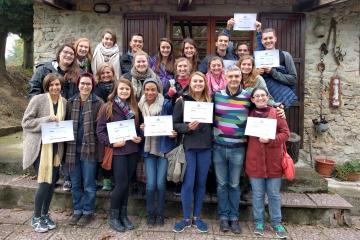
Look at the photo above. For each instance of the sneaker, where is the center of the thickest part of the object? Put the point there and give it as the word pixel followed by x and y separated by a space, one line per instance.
pixel 160 221
pixel 150 220
pixel 50 223
pixel 235 226
pixel 39 225
pixel 74 219
pixel 180 226
pixel 200 225
pixel 67 186
pixel 85 220
pixel 259 229
pixel 106 184
pixel 280 231
pixel 224 225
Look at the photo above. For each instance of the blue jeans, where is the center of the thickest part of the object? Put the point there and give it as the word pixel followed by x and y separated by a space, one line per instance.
pixel 197 167
pixel 228 164
pixel 270 186
pixel 83 188
pixel 156 170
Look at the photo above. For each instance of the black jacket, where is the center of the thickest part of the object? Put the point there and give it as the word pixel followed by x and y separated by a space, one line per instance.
pixel 125 63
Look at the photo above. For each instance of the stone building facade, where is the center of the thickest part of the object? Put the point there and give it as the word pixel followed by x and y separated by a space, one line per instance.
pixel 341 142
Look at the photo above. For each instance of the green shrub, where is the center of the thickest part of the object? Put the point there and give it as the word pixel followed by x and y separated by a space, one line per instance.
pixel 342 170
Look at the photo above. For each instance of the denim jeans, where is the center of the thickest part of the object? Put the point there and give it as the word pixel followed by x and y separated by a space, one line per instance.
pixel 156 170
pixel 197 167
pixel 228 163
pixel 83 188
pixel 270 186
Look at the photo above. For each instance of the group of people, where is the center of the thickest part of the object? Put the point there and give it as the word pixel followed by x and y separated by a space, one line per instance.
pixel 93 90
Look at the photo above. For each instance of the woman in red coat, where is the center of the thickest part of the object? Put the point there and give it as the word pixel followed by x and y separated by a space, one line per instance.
pixel 263 165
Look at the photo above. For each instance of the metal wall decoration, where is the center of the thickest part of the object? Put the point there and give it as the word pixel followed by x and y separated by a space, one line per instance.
pixel 335 92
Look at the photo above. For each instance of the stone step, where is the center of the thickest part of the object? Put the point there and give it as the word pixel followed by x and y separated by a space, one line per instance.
pixel 299 208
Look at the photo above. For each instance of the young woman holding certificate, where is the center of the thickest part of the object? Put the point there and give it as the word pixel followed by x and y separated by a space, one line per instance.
pixel 152 103
pixel 197 146
pixel 121 105
pixel 263 165
pixel 47 107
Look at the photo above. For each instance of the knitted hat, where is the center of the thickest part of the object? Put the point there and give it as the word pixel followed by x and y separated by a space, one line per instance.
pixel 152 80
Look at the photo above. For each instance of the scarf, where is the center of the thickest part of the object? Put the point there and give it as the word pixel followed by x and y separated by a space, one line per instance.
pixel 47 160
pixel 107 55
pixel 125 108
pixel 138 79
pixel 261 112
pixel 151 144
pixel 184 82
pixel 84 64
pixel 214 84
pixel 88 142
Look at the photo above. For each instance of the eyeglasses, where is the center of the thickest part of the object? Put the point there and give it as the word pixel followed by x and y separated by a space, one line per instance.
pixel 67 53
pixel 85 84
pixel 260 96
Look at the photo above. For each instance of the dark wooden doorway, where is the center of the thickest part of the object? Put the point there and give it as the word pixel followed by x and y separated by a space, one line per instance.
pixel 290 30
pixel 150 25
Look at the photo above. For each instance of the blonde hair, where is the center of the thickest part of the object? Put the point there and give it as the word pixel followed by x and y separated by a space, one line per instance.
pixel 76 44
pixel 179 60
pixel 100 70
pixel 205 93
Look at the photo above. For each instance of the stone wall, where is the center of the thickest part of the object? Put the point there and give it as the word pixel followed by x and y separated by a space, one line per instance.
pixel 342 141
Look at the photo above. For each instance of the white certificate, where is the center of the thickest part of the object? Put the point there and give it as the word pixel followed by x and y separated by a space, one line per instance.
pixel 121 130
pixel 229 63
pixel 198 111
pixel 261 127
pixel 245 22
pixel 54 132
pixel 267 58
pixel 158 126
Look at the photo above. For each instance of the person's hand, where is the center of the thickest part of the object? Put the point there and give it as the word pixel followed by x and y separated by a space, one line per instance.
pixel 121 143
pixel 54 118
pixel 173 134
pixel 193 125
pixel 142 127
pixel 264 140
pixel 267 70
pixel 258 26
pixel 136 139
pixel 280 111
pixel 230 24
pixel 260 71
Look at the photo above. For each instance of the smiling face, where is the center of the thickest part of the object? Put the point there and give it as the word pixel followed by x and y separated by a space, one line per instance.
pixel 222 43
pixel 66 57
pixel 189 50
pixel 85 86
pixel 136 43
pixel 55 87
pixel 83 49
pixel 123 91
pixel 260 98
pixel 246 66
pixel 106 75
pixel 216 67
pixel 141 63
pixel 183 69
pixel 268 39
pixel 197 84
pixel 242 50
pixel 233 79
pixel 151 92
pixel 165 49
pixel 107 40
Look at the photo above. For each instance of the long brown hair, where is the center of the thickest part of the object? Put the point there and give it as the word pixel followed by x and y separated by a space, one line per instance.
pixel 205 93
pixel 195 59
pixel 169 65
pixel 251 78
pixel 73 70
pixel 76 44
pixel 108 108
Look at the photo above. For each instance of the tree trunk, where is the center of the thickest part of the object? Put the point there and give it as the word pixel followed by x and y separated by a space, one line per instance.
pixel 28 52
pixel 3 37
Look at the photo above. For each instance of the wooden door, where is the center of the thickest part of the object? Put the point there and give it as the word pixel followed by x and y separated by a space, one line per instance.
pixel 290 31
pixel 150 25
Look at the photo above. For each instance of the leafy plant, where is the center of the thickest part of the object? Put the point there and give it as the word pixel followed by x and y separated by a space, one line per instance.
pixel 342 170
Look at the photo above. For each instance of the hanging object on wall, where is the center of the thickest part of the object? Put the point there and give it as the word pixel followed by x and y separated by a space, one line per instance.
pixel 335 92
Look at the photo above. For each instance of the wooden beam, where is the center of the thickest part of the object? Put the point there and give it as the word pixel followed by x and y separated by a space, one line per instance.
pixel 184 4
pixel 59 4
pixel 312 5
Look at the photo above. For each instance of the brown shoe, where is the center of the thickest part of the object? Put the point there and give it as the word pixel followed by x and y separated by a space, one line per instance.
pixel 85 220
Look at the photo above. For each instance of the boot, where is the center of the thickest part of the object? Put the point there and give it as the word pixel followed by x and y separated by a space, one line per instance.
pixel 114 221
pixel 125 220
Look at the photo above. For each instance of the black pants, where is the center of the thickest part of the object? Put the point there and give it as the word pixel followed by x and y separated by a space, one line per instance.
pixel 123 168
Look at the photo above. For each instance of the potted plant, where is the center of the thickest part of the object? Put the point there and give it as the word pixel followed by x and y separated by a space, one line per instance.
pixel 321 125
pixel 348 171
pixel 324 166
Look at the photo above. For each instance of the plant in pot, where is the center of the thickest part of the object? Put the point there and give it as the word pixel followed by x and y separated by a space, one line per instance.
pixel 348 171
pixel 321 125
pixel 324 166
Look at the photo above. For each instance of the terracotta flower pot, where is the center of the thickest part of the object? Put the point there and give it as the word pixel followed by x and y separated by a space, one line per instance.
pixel 353 176
pixel 324 166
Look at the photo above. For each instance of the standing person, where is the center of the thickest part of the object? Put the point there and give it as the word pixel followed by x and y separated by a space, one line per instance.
pixel 189 50
pixel 65 65
pixel 83 54
pixel 197 146
pixel 81 154
pixel 126 60
pixel 46 107
pixel 121 105
pixel 241 49
pixel 182 79
pixel 281 81
pixel 139 72
pixel 107 51
pixel 163 63
pixel 105 78
pixel 215 75
pixel 152 103
pixel 263 166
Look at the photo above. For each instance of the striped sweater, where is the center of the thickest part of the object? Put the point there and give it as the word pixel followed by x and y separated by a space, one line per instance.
pixel 231 112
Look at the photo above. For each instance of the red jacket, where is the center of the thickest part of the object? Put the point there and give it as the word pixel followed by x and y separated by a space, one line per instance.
pixel 263 160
